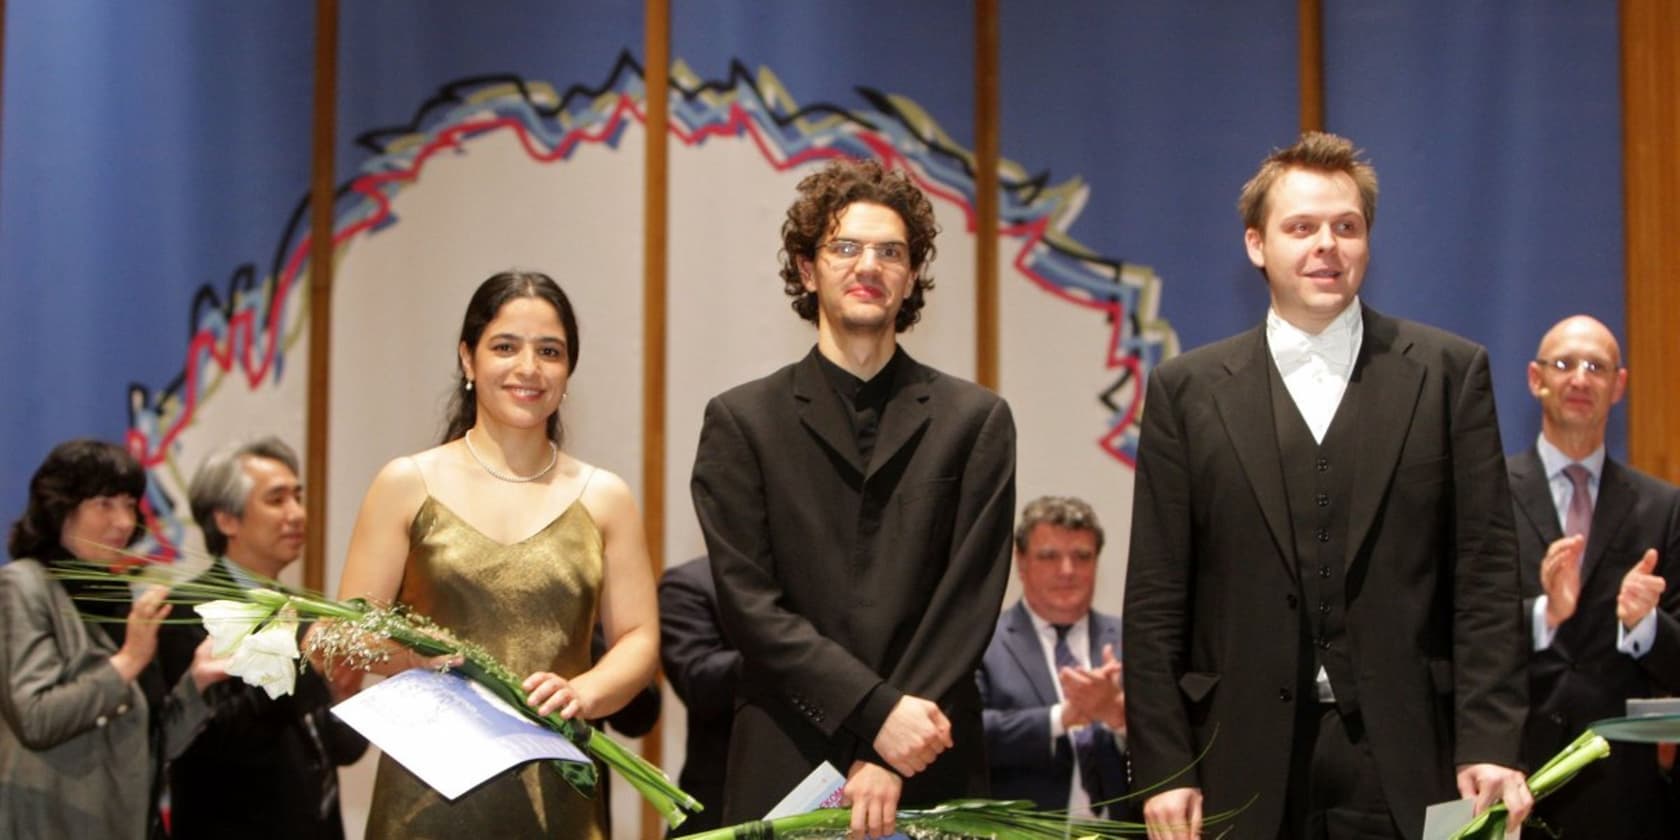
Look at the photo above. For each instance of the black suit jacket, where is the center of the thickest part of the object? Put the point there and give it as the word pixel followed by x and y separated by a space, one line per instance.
pixel 259 766
pixel 847 585
pixel 1581 677
pixel 1017 688
pixel 1212 617
pixel 703 668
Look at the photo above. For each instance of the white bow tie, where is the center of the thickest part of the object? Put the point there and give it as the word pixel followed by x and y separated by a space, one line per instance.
pixel 1333 347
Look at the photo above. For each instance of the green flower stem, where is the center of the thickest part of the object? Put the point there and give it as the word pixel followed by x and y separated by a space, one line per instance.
pixel 976 818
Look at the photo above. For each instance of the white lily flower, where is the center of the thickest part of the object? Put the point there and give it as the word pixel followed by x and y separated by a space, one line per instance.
pixel 229 622
pixel 267 658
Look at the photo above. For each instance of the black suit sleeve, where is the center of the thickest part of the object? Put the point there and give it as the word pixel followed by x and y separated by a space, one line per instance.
pixel 1158 580
pixel 242 714
pixel 1662 664
pixel 702 666
pixel 1489 658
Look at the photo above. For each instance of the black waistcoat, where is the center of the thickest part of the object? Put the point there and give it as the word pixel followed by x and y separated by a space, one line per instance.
pixel 1318 480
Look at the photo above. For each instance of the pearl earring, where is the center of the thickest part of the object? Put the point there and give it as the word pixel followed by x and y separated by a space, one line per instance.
pixel 469 384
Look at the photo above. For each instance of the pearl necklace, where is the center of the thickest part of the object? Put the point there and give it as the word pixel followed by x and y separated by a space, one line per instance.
pixel 553 458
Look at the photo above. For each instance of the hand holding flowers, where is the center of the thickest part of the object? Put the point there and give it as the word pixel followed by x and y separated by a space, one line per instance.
pixel 1491 823
pixel 140 634
pixel 1490 783
pixel 553 694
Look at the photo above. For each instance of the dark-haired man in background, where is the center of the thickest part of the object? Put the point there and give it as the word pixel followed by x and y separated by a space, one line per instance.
pixel 1055 712
pixel 262 767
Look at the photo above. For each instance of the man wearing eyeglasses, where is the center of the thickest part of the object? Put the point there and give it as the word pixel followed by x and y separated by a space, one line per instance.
pixel 856 506
pixel 1600 546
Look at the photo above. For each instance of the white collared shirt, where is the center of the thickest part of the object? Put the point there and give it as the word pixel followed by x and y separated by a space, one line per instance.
pixel 1316 368
pixel 1079 644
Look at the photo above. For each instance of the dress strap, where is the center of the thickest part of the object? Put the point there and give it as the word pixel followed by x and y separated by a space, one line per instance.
pixel 421 471
pixel 586 480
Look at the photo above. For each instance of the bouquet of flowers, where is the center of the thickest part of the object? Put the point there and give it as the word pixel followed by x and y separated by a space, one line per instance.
pixel 257 630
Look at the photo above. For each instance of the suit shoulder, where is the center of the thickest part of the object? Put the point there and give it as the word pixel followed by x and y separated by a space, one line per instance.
pixel 691 573
pixel 1649 486
pixel 1434 340
pixel 755 391
pixel 961 392
pixel 1210 355
pixel 1521 463
pixel 24 572
pixel 1190 370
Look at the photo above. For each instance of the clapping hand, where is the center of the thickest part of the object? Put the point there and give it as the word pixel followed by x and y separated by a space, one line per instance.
pixel 1641 588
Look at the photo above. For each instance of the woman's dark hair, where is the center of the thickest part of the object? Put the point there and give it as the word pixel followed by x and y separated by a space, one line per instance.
pixel 73 472
pixel 491 296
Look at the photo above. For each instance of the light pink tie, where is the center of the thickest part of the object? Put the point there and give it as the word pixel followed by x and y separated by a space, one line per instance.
pixel 1578 519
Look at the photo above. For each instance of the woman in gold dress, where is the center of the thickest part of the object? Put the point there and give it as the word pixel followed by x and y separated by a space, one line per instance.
pixel 505 539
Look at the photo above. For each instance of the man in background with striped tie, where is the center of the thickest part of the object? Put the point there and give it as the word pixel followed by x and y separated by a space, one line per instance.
pixel 1600 548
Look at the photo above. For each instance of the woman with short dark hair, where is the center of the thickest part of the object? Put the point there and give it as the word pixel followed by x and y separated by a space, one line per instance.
pixel 88 720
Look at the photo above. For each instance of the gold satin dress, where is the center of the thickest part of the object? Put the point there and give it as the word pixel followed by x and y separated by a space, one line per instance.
pixel 530 604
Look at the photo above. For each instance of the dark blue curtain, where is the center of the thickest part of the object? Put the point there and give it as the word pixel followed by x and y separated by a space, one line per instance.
pixel 151 154
pixel 1496 129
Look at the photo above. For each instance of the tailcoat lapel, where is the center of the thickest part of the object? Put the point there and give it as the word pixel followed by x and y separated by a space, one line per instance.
pixel 1021 640
pixel 1387 392
pixel 821 411
pixel 1245 407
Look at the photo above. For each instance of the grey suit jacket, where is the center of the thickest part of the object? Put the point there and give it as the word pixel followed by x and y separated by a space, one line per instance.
pixel 1212 619
pixel 76 757
pixel 847 585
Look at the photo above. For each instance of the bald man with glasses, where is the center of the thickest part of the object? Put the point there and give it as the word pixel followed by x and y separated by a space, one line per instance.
pixel 1599 544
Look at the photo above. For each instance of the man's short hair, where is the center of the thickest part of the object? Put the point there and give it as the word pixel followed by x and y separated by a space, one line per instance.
pixel 824 194
pixel 221 484
pixel 1316 151
pixel 1061 511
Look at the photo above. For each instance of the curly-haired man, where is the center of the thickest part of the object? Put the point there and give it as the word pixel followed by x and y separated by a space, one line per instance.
pixel 856 506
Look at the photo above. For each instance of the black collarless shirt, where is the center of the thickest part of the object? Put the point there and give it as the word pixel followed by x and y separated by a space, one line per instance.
pixel 865 400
